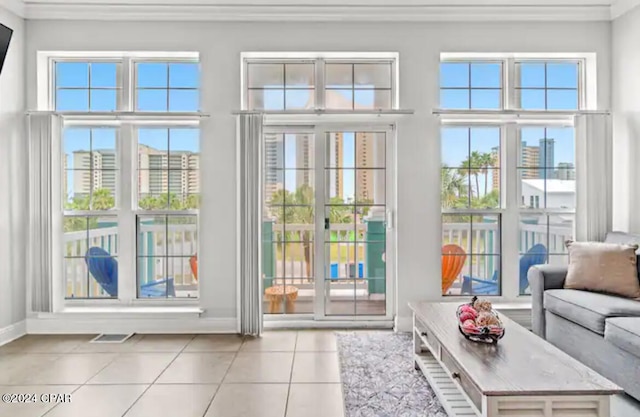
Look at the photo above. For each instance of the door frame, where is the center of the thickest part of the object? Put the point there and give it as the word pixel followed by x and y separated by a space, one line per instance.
pixel 319 318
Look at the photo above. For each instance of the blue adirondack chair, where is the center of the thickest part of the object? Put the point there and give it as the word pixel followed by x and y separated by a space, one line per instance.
pixel 535 256
pixel 104 269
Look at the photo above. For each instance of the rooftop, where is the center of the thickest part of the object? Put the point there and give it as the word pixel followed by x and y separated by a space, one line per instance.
pixel 552 185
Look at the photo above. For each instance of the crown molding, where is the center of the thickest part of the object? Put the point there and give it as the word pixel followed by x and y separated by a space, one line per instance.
pixel 16 7
pixel 621 7
pixel 316 13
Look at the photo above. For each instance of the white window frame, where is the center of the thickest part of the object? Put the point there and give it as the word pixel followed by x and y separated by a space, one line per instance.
pixel 510 118
pixel 319 60
pixel 126 209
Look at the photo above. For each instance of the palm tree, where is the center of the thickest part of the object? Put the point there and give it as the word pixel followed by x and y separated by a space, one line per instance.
pixel 486 161
pixel 453 188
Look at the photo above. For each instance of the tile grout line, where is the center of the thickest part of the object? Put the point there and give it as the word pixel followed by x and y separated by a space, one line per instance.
pixel 160 374
pixel 235 355
pixel 295 347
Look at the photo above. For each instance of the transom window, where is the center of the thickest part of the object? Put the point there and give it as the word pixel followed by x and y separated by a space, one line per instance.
pixel 163 86
pixel 308 83
pixel 88 86
pixel 547 85
pixel 149 204
pixel 471 85
pixel 505 179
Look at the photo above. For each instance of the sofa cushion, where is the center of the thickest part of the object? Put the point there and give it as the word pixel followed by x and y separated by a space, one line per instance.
pixel 623 238
pixel 624 332
pixel 589 309
pixel 603 267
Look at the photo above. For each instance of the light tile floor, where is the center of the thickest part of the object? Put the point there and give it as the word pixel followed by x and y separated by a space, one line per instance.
pixel 283 374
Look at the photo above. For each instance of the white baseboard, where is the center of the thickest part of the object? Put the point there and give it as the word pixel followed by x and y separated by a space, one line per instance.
pixel 404 324
pixel 92 325
pixel 12 332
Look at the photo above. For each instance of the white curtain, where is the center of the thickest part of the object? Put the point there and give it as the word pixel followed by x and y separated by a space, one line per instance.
pixel 249 222
pixel 44 131
pixel 594 176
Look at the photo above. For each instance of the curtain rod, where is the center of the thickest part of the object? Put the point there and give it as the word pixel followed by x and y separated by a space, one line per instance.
pixel 122 114
pixel 446 112
pixel 323 111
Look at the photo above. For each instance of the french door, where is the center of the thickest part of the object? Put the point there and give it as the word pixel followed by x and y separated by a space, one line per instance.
pixel 327 233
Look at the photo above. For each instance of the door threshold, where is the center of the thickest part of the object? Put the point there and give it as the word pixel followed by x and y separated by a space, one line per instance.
pixel 328 324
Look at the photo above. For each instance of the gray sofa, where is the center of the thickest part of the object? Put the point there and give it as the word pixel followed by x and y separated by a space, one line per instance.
pixel 602 331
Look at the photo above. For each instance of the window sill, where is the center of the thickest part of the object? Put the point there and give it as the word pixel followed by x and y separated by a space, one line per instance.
pixel 125 312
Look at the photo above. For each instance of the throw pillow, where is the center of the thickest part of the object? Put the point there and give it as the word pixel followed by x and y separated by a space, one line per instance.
pixel 603 267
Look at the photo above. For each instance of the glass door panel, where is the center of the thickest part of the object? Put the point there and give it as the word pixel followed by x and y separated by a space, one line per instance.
pixel 288 223
pixel 355 223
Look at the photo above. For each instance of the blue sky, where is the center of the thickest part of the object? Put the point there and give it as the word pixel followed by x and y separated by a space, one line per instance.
pixel 174 87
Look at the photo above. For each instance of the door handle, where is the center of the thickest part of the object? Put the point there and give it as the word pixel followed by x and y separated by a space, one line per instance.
pixel 390 219
pixel 327 223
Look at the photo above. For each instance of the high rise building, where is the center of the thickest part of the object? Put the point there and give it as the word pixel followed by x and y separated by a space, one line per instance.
pixel 529 161
pixel 158 172
pixel 336 155
pixel 304 163
pixel 273 159
pixel 566 171
pixel 365 143
pixel 495 174
pixel 547 158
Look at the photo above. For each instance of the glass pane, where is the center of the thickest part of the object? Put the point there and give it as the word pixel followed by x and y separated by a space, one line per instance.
pixel 532 74
pixel 370 150
pixel 455 266
pixel 104 75
pixel 300 75
pixel 487 188
pixel 341 186
pixel 104 100
pixel 370 186
pixel 298 151
pixel 341 252
pixel 298 259
pixel 562 75
pixel 485 238
pixel 339 99
pixel 486 99
pixel 455 188
pixel 265 75
pixel 532 99
pixel 530 156
pixel 559 193
pixel 370 297
pixel 182 237
pixel 485 276
pixel 184 75
pixel 152 236
pixel 298 187
pixel 104 190
pixel 485 142
pixel 372 99
pixel 560 150
pixel 184 148
pixel 562 99
pixel 300 99
pixel 90 250
pixel 266 99
pixel 182 272
pixel 77 141
pixel 152 100
pixel 455 146
pixel 340 298
pixel 339 76
pixel 184 100
pixel 454 74
pixel 152 278
pixel 72 100
pixel 152 75
pixel 342 153
pixel 486 75
pixel 456 230
pixel 72 74
pixel 153 148
pixel 454 99
pixel 372 76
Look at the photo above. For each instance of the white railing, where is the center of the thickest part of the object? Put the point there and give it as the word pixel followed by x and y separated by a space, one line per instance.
pixel 485 241
pixel 345 250
pixel 181 244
